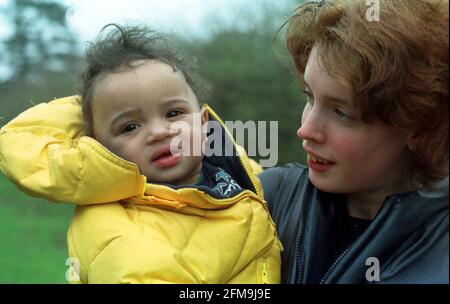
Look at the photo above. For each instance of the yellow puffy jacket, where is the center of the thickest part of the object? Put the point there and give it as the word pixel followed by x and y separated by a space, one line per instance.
pixel 125 230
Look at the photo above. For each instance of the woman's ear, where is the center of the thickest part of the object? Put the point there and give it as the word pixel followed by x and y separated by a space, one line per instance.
pixel 413 140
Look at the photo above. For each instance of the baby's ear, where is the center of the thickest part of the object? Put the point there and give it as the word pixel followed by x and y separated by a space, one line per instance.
pixel 204 114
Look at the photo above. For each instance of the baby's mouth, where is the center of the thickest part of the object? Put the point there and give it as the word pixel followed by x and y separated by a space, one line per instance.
pixel 164 158
pixel 162 152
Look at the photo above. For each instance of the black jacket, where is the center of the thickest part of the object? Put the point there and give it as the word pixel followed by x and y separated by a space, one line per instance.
pixel 409 235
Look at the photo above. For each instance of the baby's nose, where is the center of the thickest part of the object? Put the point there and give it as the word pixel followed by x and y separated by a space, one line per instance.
pixel 157 132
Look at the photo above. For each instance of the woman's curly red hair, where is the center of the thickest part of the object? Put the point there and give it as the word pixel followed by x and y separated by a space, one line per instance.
pixel 397 67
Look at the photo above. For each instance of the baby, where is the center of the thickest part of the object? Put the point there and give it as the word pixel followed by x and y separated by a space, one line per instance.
pixel 132 93
pixel 144 214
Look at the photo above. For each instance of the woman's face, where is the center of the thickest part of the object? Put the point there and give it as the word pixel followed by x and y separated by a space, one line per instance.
pixel 344 154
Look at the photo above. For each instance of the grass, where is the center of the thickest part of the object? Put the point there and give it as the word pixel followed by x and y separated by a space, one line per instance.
pixel 33 247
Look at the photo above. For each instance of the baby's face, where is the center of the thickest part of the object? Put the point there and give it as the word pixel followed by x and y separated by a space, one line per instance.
pixel 132 114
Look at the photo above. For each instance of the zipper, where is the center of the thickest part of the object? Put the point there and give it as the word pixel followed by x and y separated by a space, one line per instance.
pixel 300 241
pixel 335 262
pixel 265 274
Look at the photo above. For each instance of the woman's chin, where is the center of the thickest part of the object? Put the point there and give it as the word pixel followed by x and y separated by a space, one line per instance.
pixel 326 184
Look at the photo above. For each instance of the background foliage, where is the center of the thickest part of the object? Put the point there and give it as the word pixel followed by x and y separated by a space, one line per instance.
pixel 245 61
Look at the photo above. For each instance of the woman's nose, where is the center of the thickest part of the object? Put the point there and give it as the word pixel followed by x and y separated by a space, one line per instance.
pixel 312 127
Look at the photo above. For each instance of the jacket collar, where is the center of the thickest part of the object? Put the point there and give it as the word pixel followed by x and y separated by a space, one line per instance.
pixel 400 216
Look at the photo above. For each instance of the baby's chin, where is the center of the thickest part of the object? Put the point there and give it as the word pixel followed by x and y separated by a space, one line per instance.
pixel 185 172
pixel 173 179
pixel 174 182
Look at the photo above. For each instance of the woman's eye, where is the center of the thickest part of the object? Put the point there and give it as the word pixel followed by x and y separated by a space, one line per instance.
pixel 130 127
pixel 342 115
pixel 309 97
pixel 173 113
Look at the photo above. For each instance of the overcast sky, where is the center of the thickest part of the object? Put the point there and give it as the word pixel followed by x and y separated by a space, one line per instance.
pixel 186 17
pixel 87 17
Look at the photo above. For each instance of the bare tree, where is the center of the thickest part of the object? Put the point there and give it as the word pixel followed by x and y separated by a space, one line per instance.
pixel 39 39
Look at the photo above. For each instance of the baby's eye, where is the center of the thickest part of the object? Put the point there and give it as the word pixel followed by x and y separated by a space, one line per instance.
pixel 130 127
pixel 173 113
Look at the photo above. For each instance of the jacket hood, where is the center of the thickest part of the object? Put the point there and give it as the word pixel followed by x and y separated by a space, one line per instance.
pixel 46 153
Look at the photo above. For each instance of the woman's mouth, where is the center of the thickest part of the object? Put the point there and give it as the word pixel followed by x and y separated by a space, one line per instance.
pixel 318 160
pixel 318 164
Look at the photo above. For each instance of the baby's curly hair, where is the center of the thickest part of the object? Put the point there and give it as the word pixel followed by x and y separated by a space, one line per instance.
pixel 117 49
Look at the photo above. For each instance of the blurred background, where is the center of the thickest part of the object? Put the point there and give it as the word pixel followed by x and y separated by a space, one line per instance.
pixel 234 43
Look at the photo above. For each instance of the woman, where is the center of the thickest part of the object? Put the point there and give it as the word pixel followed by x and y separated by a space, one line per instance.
pixel 372 204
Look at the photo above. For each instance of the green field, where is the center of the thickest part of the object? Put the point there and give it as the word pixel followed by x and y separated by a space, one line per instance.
pixel 33 247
